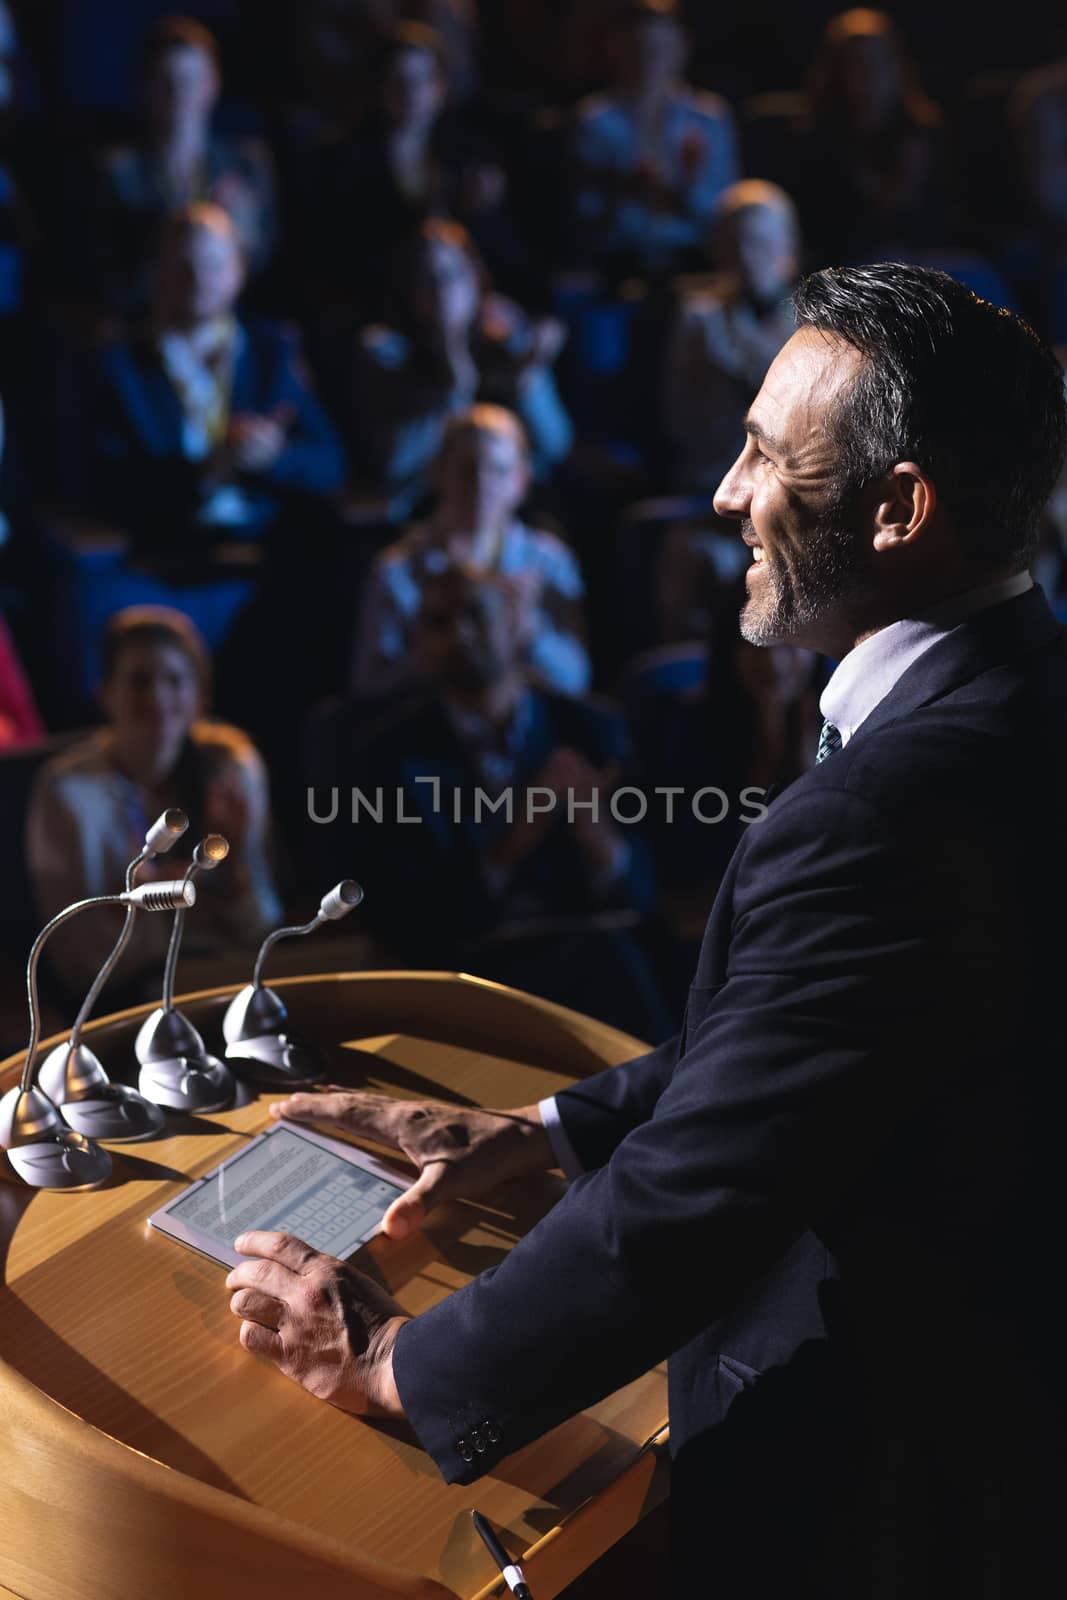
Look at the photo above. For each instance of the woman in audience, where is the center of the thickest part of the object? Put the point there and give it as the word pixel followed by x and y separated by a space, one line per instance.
pixel 91 805
pixel 177 161
pixel 867 170
pixel 482 476
pixel 452 342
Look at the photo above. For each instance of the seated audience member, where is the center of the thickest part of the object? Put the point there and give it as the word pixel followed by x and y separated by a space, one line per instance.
pixel 456 24
pixel 866 166
pixel 204 424
pixel 176 162
pixel 653 155
pixel 20 721
pixel 1039 113
pixel 727 331
pixel 510 899
pixel 18 231
pixel 452 342
pixel 91 805
pixel 414 157
pixel 482 476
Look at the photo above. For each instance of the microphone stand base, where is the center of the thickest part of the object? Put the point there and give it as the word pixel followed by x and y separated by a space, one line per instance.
pixel 187 1083
pixel 64 1161
pixel 275 1059
pixel 116 1114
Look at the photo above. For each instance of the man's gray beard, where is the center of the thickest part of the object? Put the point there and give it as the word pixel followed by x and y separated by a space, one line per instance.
pixel 827 574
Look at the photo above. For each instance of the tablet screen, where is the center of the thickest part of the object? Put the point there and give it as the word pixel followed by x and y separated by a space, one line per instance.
pixel 288 1182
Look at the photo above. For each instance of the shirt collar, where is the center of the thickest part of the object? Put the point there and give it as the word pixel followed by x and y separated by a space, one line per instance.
pixel 866 675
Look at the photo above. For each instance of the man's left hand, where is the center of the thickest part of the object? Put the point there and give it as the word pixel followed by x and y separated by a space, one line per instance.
pixel 323 1324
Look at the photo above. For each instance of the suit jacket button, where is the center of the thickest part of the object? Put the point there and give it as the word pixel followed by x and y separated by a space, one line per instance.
pixel 494 1433
pixel 479 1440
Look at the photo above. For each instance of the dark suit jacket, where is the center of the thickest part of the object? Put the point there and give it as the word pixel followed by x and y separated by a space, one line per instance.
pixel 136 471
pixel 836 1200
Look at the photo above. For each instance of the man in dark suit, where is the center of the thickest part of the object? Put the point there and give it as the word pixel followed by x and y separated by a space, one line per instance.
pixel 203 425
pixel 835 1200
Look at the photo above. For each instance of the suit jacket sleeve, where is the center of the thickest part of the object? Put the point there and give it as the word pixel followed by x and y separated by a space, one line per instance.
pixel 857 974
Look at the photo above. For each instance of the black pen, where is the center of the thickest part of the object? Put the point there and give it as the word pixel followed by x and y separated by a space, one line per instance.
pixel 512 1573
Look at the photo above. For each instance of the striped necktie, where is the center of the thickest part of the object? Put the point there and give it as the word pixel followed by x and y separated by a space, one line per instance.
pixel 829 741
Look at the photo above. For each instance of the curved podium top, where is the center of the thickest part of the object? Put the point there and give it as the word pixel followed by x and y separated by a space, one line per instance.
pixel 144 1453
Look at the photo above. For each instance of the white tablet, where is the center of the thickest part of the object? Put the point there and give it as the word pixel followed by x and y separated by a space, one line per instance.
pixel 287 1180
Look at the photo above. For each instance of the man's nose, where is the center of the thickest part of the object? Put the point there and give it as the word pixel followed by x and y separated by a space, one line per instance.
pixel 733 496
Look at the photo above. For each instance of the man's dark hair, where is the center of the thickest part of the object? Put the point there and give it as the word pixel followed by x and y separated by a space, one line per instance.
pixel 963 388
pixel 175 33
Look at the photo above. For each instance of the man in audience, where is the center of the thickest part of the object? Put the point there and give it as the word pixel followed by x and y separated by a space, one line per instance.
pixel 835 1201
pixel 512 894
pixel 204 425
pixel 177 161
pixel 414 156
pixel 653 155
pixel 728 330
pixel 482 475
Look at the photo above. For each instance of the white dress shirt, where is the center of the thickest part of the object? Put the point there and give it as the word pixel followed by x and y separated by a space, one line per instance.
pixel 860 682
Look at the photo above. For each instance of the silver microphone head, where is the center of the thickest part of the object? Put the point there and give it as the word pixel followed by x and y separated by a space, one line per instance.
pixel 211 852
pixel 172 895
pixel 165 831
pixel 342 899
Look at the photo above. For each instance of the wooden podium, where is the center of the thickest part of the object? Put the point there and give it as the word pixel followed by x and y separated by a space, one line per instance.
pixel 145 1456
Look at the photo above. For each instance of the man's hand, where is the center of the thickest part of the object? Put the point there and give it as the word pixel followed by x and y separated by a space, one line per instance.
pixel 459 1151
pixel 326 1326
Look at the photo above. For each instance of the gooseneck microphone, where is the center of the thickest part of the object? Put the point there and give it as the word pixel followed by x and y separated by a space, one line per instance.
pixel 72 1075
pixel 257 1045
pixel 41 1147
pixel 176 1069
pixel 209 854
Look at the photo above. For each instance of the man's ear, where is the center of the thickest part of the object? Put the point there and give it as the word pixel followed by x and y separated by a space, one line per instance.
pixel 906 508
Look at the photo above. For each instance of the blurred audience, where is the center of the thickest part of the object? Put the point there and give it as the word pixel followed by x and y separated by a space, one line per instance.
pixel 204 423
pixel 20 720
pixel 482 476
pixel 728 329
pixel 1039 114
pixel 652 155
pixel 412 156
pixel 452 341
pixel 514 893
pixel 866 164
pixel 18 231
pixel 177 160
pixel 92 804
pixel 750 720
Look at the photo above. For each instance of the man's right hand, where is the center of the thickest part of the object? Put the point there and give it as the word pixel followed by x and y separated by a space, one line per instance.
pixel 460 1151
